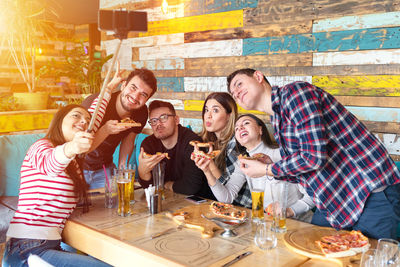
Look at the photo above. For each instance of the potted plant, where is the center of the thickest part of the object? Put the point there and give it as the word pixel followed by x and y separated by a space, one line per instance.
pixel 77 67
pixel 24 25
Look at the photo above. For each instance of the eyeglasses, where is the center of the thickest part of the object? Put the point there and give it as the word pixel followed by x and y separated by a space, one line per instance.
pixel 163 118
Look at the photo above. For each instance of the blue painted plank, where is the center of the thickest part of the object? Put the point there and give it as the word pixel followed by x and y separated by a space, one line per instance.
pixel 360 39
pixel 170 84
pixel 375 113
pixel 388 19
pixel 201 7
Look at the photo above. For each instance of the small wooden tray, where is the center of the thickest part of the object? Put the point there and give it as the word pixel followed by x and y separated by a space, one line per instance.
pixel 302 241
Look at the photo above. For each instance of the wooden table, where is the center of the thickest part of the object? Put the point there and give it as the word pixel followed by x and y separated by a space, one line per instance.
pixel 125 241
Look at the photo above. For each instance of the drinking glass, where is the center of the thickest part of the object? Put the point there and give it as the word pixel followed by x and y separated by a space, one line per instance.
pixel 158 174
pixel 265 237
pixel 129 173
pixel 388 252
pixel 110 193
pixel 124 193
pixel 279 192
pixel 257 187
pixel 369 258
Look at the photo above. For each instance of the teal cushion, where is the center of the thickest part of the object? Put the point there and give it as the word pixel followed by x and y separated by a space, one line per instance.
pixel 13 149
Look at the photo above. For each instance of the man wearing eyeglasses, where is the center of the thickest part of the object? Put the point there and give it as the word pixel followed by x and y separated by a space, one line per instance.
pixel 181 174
pixel 129 102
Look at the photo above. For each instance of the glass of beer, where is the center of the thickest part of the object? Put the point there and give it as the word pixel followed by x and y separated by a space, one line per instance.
pixel 257 206
pixel 279 192
pixel 129 173
pixel 124 194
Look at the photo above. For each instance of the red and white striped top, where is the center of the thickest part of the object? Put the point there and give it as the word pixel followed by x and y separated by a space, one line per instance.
pixel 46 194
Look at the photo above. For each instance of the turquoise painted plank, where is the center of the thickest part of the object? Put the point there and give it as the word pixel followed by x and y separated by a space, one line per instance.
pixel 170 84
pixel 364 39
pixel 388 19
pixel 201 7
pixel 376 114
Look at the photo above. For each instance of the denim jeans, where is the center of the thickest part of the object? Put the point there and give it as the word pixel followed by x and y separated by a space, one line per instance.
pixel 380 216
pixel 96 179
pixel 17 251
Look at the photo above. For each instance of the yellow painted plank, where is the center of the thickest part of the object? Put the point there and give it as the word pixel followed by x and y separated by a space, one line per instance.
pixel 197 105
pixel 24 121
pixel 215 21
pixel 367 81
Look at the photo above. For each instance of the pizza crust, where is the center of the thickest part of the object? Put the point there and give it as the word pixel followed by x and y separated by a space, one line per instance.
pixel 147 155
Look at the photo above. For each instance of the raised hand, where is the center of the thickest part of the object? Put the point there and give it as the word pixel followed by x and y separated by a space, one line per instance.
pixel 81 143
pixel 117 79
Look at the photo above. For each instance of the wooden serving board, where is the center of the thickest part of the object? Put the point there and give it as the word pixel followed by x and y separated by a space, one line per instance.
pixel 194 220
pixel 302 241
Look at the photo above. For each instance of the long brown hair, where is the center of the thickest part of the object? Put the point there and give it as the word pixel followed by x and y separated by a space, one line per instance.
pixel 229 105
pixel 56 137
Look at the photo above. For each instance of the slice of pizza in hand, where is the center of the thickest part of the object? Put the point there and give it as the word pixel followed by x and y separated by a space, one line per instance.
pixel 147 155
pixel 227 211
pixel 202 154
pixel 258 156
pixel 200 144
pixel 129 122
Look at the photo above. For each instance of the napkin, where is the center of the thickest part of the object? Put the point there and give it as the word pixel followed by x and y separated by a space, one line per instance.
pixel 149 191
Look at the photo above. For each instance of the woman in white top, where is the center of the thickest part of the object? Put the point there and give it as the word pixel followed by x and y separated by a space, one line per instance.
pixel 252 134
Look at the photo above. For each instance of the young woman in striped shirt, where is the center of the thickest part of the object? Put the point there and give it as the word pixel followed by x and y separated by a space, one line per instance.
pixel 51 185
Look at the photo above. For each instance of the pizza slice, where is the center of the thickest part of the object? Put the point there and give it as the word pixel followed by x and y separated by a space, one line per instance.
pixel 200 144
pixel 129 122
pixel 257 156
pixel 227 211
pixel 343 245
pixel 211 155
pixel 147 155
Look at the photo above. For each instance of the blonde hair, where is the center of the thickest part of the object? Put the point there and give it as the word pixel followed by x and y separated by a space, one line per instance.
pixel 229 105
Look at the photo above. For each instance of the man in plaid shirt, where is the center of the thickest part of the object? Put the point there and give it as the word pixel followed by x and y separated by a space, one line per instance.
pixel 344 167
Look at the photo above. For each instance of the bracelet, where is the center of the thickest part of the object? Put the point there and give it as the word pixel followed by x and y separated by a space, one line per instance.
pixel 267 172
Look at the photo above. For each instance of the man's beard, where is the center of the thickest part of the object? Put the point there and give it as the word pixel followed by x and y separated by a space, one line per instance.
pixel 164 135
pixel 123 104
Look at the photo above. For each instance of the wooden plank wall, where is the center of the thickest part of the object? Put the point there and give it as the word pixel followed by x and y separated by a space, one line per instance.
pixel 349 48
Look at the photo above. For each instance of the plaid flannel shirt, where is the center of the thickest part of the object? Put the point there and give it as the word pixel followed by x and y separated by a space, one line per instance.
pixel 244 195
pixel 329 151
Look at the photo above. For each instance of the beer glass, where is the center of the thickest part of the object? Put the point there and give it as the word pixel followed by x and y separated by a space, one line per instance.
pixel 279 191
pixel 129 173
pixel 124 193
pixel 257 187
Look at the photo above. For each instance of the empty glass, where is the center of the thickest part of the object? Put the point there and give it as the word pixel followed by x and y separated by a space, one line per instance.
pixel 265 237
pixel 369 258
pixel 279 192
pixel 158 173
pixel 388 252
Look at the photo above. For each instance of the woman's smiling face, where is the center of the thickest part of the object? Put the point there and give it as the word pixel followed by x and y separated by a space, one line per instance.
pixel 77 120
pixel 248 132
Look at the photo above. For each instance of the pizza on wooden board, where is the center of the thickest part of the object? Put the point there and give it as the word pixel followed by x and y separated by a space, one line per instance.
pixel 129 122
pixel 227 211
pixel 343 245
pixel 147 155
